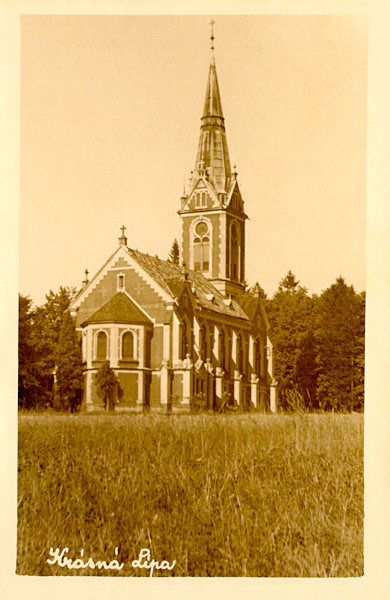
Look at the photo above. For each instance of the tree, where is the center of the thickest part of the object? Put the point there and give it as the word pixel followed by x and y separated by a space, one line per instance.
pixel 290 313
pixel 174 254
pixel 107 386
pixel 46 326
pixel 69 370
pixel 29 383
pixel 340 347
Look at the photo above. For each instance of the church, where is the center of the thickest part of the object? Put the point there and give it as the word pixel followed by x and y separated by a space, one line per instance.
pixel 177 335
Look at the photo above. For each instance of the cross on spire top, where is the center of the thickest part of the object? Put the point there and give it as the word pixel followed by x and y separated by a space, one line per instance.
pixel 212 23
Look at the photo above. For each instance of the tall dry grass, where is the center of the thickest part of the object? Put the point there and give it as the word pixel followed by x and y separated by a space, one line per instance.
pixel 242 495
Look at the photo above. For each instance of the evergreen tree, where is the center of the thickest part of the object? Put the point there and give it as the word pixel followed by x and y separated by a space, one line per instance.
pixel 29 383
pixel 174 254
pixel 107 386
pixel 340 347
pixel 46 326
pixel 69 370
pixel 291 331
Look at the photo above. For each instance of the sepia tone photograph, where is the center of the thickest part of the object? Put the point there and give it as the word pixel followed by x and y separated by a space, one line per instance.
pixel 192 276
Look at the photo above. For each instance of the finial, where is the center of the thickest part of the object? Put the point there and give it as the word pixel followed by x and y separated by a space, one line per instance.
pixel 85 282
pixel 184 187
pixel 212 23
pixel 123 238
pixel 185 271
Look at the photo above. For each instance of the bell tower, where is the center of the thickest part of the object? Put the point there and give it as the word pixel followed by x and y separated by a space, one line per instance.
pixel 212 212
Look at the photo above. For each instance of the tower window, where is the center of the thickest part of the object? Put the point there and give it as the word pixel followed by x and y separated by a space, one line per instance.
pixel 201 247
pixel 201 199
pixel 234 253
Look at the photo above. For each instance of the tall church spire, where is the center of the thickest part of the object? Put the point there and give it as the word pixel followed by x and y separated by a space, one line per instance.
pixel 212 211
pixel 213 157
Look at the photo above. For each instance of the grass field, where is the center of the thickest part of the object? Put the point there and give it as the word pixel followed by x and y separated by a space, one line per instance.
pixel 249 495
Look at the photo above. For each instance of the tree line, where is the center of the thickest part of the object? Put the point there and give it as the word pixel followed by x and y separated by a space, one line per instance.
pixel 318 349
pixel 318 345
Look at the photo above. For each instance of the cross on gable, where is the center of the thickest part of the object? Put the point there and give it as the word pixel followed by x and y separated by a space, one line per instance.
pixel 123 228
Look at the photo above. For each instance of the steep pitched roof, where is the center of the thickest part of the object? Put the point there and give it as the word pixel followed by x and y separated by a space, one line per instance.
pixel 119 309
pixel 171 278
pixel 212 102
pixel 250 303
pixel 213 155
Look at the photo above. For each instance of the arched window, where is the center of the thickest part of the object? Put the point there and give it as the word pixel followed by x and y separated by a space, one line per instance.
pixel 201 247
pixel 101 346
pixel 127 345
pixel 234 253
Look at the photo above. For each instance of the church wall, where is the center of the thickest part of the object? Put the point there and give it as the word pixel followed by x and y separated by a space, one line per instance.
pixel 157 347
pixel 155 390
pixel 185 232
pixel 129 385
pixel 177 388
pixel 135 286
pixel 215 223
pixel 242 233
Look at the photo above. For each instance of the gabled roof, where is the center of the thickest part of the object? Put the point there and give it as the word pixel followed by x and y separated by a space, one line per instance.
pixel 119 309
pixel 250 303
pixel 171 278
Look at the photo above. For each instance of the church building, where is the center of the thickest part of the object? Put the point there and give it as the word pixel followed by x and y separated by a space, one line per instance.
pixel 180 334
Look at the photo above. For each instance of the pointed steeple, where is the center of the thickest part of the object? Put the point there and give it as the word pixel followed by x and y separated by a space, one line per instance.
pixel 212 102
pixel 212 211
pixel 212 157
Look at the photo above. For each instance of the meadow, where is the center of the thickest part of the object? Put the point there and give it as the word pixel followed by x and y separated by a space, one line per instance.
pixel 243 495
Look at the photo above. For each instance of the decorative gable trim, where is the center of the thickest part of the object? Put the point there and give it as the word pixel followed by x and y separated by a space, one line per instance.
pixel 230 196
pixel 122 251
pixel 206 183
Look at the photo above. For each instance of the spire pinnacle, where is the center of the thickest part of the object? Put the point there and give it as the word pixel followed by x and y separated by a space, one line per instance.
pixel 123 238
pixel 212 23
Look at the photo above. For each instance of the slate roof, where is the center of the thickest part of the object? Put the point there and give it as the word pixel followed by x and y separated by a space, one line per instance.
pixel 119 309
pixel 171 278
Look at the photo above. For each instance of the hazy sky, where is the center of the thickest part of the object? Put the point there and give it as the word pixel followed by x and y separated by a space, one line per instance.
pixel 110 117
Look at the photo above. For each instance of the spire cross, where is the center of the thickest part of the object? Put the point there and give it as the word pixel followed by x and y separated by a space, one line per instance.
pixel 123 228
pixel 212 23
